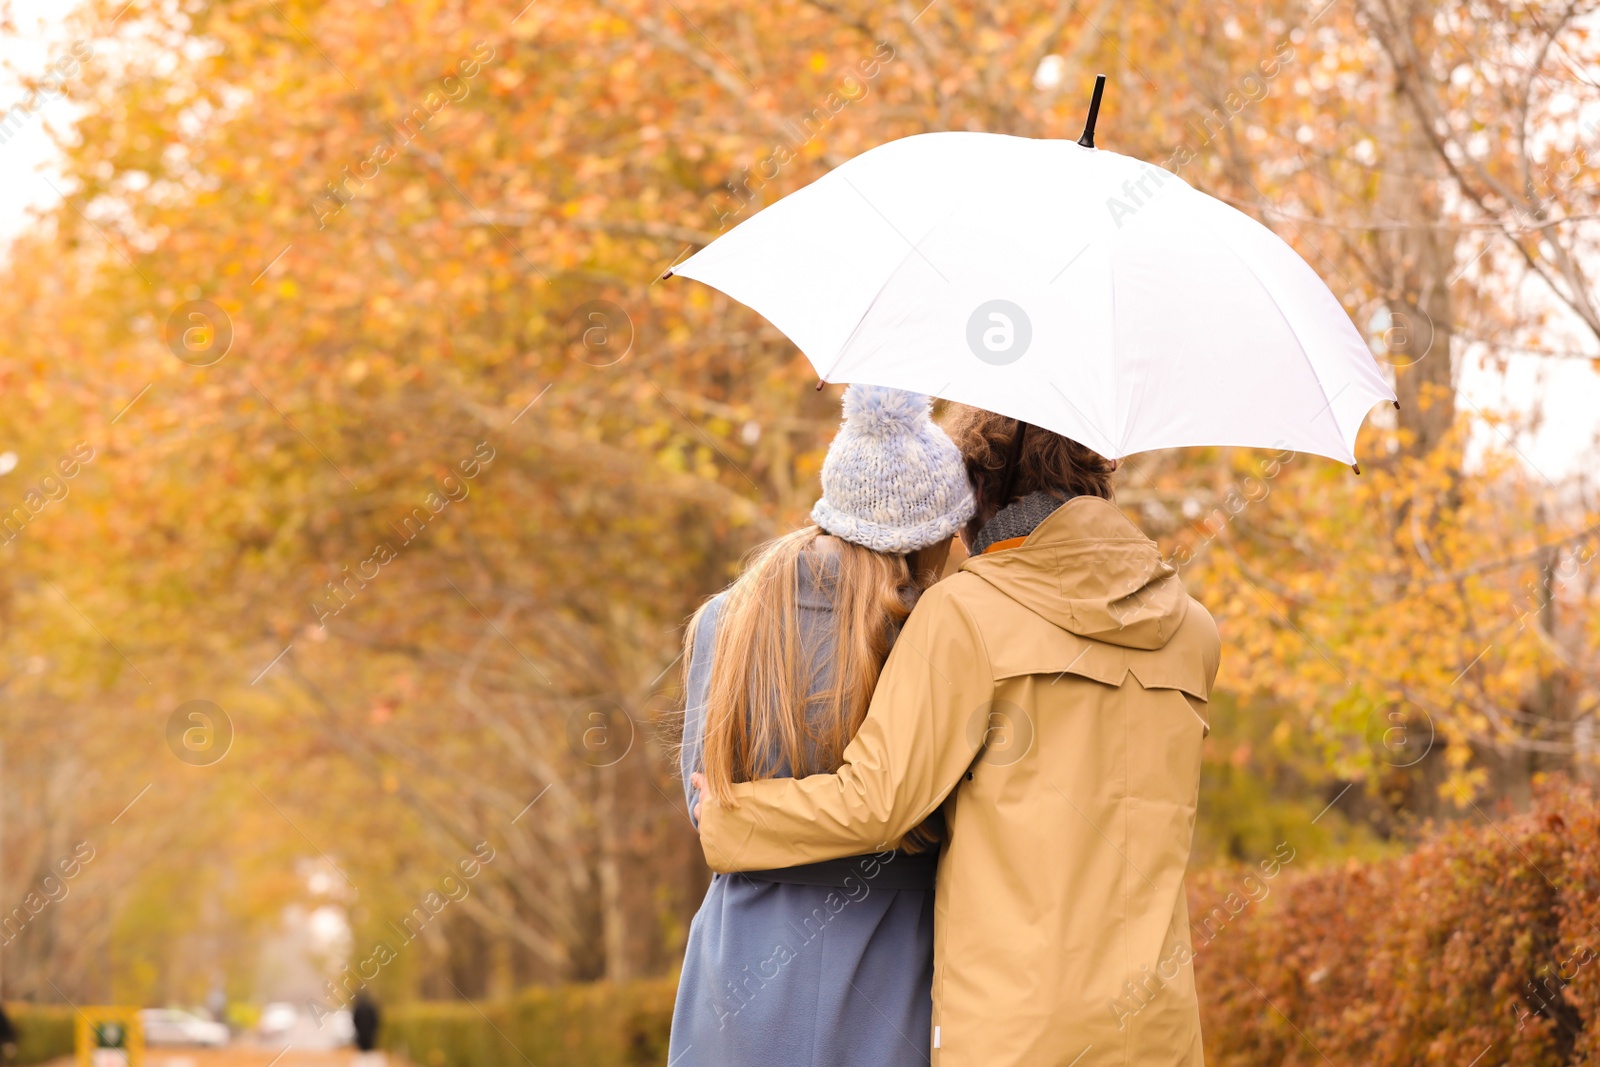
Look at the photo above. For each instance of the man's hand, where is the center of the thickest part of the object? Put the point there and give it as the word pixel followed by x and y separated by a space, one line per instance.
pixel 698 781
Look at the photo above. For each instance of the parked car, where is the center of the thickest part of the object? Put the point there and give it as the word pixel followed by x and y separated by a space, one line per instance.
pixel 277 1019
pixel 169 1026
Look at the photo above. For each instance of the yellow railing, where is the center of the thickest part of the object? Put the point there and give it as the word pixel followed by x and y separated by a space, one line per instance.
pixel 112 1030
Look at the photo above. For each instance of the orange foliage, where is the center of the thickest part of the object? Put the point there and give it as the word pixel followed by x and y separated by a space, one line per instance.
pixel 1486 937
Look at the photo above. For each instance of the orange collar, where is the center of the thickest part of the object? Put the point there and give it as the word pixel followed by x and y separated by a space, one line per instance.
pixel 1010 542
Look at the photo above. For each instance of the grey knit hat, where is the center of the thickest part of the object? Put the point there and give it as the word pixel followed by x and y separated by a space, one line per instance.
pixel 893 481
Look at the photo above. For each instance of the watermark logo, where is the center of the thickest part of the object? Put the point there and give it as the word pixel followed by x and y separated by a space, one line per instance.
pixel 599 333
pixel 999 332
pixel 199 333
pixel 1001 731
pixel 347 584
pixel 340 991
pixel 799 132
pixel 46 491
pixel 1400 734
pixel 51 889
pixel 1400 334
pixel 600 733
pixel 18 117
pixel 454 87
pixel 1137 193
pixel 199 733
pixel 1252 490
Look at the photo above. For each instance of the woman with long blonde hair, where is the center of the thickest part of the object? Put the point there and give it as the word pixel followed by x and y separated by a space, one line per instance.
pixel 829 963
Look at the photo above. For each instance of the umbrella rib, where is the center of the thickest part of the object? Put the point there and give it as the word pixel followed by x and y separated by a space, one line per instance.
pixel 1116 372
pixel 827 375
pixel 893 227
pixel 1071 261
pixel 1170 373
pixel 1086 420
pixel 1300 344
pixel 848 341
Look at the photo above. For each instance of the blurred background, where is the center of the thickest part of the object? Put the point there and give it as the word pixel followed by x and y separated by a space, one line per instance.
pixel 358 475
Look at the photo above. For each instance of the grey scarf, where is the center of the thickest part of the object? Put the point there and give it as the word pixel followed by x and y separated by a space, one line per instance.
pixel 1017 519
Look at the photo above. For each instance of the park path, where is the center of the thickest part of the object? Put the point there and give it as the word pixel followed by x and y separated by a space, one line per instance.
pixel 250 1056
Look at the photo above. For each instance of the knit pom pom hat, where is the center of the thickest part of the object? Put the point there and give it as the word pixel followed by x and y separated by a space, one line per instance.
pixel 893 481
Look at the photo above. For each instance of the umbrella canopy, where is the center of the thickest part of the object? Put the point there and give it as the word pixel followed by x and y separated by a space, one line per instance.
pixel 1087 292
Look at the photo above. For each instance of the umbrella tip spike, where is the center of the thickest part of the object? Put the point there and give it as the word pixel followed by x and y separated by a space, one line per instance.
pixel 820 384
pixel 1356 467
pixel 1087 140
pixel 667 275
pixel 1396 404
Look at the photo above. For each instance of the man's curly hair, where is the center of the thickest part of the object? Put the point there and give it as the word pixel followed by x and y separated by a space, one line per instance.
pixel 1049 463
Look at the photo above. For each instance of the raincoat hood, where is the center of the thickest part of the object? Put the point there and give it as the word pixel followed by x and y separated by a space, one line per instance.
pixel 1089 571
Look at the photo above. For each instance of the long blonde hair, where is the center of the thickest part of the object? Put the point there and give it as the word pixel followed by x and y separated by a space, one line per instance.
pixel 761 713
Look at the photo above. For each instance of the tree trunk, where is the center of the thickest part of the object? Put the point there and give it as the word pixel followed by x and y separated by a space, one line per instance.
pixel 1420 257
pixel 613 918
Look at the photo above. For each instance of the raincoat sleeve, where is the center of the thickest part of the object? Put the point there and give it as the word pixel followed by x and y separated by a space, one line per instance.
pixel 924 727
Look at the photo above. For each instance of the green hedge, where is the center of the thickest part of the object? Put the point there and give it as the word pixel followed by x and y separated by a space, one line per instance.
pixel 44 1031
pixel 594 1025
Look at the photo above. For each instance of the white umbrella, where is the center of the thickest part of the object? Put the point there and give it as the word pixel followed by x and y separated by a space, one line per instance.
pixel 1073 288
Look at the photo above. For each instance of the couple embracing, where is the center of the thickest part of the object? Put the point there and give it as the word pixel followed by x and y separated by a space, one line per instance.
pixel 950 818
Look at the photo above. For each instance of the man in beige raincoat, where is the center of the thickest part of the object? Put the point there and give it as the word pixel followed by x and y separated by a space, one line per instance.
pixel 1052 697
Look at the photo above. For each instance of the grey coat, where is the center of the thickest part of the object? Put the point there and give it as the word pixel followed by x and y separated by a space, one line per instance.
pixel 788 975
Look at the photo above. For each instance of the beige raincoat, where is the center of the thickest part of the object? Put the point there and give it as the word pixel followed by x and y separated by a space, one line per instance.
pixel 1053 697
